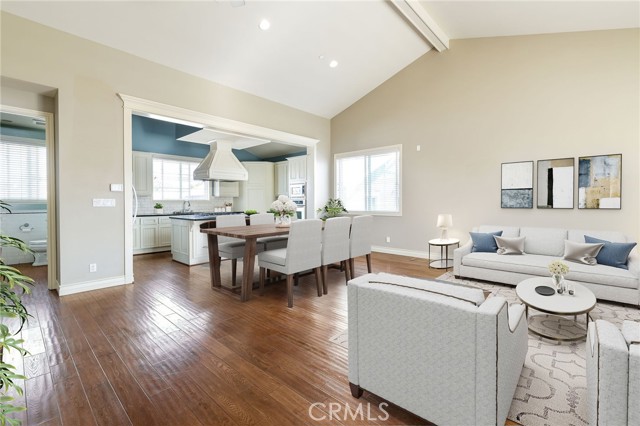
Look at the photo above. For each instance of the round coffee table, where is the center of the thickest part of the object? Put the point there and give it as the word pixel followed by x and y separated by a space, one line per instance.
pixel 581 302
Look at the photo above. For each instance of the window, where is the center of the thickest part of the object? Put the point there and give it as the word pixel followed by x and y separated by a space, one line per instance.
pixel 369 181
pixel 173 180
pixel 23 169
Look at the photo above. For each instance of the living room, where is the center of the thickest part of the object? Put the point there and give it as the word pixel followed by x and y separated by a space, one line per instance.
pixel 459 114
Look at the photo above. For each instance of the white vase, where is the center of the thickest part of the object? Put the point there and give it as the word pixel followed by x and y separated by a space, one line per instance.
pixel 158 211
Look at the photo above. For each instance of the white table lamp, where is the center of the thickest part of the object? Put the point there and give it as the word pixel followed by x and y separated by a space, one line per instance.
pixel 444 221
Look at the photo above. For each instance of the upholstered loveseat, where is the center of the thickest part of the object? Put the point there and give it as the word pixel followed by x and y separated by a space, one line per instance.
pixel 541 247
pixel 438 350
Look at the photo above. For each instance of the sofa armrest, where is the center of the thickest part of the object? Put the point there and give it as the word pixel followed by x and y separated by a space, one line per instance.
pixel 634 262
pixel 458 254
pixel 607 359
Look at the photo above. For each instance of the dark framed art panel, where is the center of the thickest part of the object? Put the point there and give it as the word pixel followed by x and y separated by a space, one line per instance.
pixel 600 182
pixel 555 183
pixel 516 191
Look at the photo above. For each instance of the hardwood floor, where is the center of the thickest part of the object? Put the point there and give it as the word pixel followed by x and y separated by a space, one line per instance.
pixel 169 350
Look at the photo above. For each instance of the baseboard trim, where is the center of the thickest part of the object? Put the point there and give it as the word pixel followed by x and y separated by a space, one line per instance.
pixel 65 290
pixel 401 252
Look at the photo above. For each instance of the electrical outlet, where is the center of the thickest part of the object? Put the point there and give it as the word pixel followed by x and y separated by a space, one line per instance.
pixel 388 239
pixel 93 267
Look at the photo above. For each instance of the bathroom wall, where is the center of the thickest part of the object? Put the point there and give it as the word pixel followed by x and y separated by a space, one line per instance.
pixel 34 228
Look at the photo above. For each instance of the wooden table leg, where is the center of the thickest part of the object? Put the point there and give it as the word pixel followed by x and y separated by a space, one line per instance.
pixel 248 262
pixel 214 260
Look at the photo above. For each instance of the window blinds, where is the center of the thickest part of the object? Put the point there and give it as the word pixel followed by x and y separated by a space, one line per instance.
pixel 23 170
pixel 173 180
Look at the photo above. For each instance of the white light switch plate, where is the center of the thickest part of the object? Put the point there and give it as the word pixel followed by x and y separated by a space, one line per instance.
pixel 104 202
pixel 116 187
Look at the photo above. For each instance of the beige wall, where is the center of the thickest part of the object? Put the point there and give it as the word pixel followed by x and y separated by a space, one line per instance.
pixel 494 100
pixel 89 123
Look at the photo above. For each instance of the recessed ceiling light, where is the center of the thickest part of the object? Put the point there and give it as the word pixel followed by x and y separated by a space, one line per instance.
pixel 264 25
pixel 333 63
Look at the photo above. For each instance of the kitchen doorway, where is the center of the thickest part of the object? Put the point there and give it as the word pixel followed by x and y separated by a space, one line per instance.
pixel 28 185
pixel 137 106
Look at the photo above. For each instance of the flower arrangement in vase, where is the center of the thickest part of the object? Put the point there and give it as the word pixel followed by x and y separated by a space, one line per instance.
pixel 558 271
pixel 283 208
pixel 333 208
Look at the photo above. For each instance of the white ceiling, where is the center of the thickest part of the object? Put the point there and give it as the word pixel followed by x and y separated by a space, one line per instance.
pixel 369 39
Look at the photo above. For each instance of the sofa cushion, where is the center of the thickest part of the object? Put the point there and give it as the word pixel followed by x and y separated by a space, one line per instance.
pixel 508 245
pixel 631 332
pixel 581 252
pixel 507 231
pixel 612 254
pixel 537 265
pixel 613 236
pixel 484 242
pixel 547 241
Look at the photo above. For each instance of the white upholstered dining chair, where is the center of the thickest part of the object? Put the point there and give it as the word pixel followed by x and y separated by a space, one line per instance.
pixel 335 246
pixel 360 241
pixel 268 243
pixel 301 254
pixel 232 248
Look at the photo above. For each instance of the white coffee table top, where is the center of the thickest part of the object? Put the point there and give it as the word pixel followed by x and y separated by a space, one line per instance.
pixel 581 302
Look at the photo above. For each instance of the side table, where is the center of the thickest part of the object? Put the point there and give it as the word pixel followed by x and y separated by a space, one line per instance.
pixel 444 262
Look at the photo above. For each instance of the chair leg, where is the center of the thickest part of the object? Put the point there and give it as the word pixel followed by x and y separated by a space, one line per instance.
pixel 296 277
pixel 290 291
pixel 325 271
pixel 318 281
pixel 356 391
pixel 352 266
pixel 262 274
pixel 369 262
pixel 347 272
pixel 234 269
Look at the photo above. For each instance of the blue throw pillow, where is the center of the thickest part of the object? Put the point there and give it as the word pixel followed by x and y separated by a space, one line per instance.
pixel 484 242
pixel 612 254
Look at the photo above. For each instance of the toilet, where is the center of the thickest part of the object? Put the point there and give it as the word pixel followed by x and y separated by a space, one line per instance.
pixel 39 248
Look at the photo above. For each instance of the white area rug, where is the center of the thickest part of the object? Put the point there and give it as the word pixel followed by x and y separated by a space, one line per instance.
pixel 552 387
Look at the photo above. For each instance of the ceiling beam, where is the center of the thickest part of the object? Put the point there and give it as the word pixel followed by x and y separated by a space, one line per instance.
pixel 423 23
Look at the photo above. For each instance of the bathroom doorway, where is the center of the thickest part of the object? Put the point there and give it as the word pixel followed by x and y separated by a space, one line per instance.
pixel 27 184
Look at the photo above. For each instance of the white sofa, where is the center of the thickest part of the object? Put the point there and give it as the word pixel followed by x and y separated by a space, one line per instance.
pixel 437 350
pixel 543 246
pixel 613 373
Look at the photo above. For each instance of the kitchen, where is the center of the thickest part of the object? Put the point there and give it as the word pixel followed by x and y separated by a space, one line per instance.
pixel 167 153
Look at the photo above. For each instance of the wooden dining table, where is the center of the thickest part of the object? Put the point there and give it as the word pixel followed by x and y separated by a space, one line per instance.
pixel 250 234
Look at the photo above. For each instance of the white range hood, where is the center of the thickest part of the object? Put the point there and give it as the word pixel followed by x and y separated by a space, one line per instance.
pixel 221 164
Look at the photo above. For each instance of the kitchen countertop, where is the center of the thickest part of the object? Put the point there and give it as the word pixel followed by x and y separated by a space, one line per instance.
pixel 201 215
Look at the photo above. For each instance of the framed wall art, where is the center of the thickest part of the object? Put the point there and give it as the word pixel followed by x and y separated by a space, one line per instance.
pixel 555 183
pixel 600 182
pixel 517 185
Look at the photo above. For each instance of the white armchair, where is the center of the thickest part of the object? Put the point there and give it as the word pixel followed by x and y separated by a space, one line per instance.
pixel 438 350
pixel 613 373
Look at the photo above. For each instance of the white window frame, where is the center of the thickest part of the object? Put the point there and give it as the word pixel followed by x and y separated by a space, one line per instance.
pixel 32 142
pixel 180 158
pixel 366 152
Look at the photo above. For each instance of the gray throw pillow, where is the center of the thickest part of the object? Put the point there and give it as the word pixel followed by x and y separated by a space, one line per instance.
pixel 510 245
pixel 581 252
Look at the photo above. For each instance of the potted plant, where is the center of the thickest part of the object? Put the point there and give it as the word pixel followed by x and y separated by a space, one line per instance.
pixel 332 208
pixel 13 285
pixel 158 208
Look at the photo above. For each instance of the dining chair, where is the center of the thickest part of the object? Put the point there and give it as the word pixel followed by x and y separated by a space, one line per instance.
pixel 268 243
pixel 303 252
pixel 232 248
pixel 335 246
pixel 360 241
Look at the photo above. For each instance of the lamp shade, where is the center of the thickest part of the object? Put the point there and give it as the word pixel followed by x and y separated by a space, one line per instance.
pixel 444 221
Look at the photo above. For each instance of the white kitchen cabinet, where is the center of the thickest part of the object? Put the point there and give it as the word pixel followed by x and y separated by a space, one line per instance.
pixel 151 234
pixel 257 192
pixel 188 244
pixel 226 189
pixel 282 178
pixel 297 169
pixel 143 173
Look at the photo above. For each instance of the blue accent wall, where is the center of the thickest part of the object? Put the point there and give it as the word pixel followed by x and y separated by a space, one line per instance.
pixel 161 137
pixel 22 132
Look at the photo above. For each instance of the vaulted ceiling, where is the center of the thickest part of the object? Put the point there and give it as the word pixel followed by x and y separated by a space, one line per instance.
pixel 290 62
